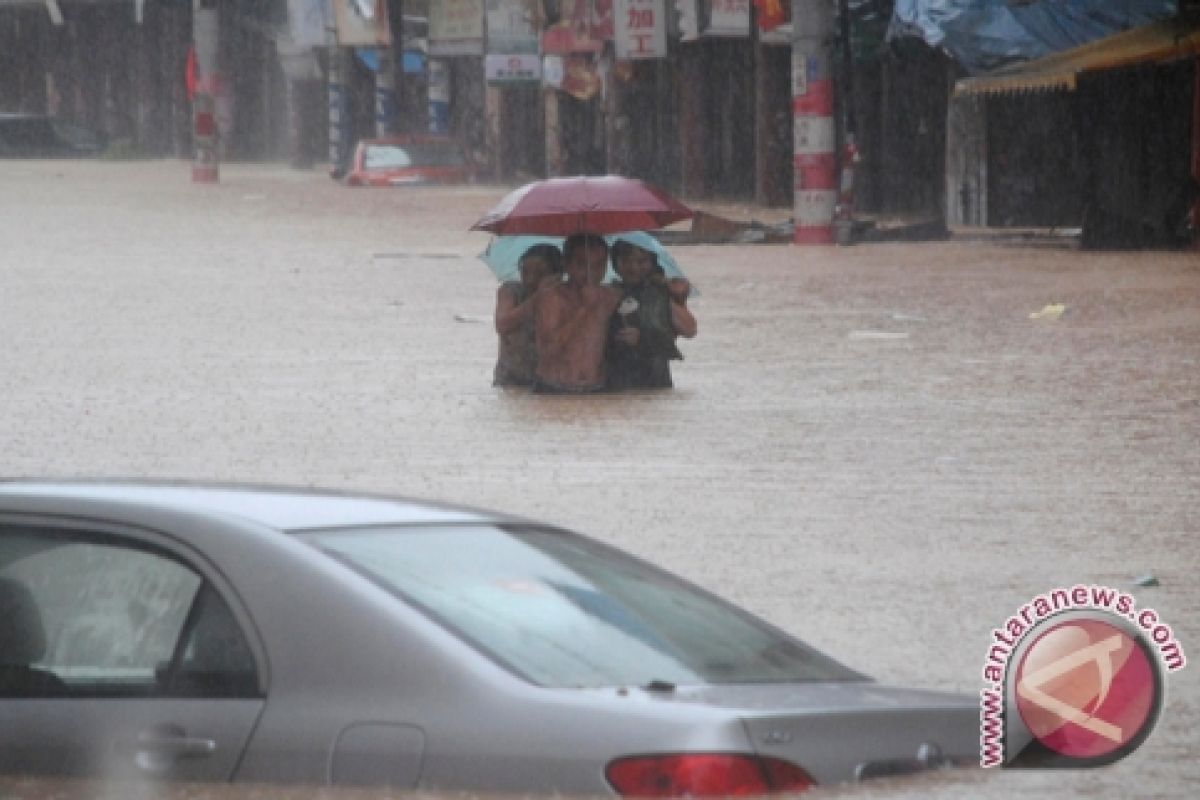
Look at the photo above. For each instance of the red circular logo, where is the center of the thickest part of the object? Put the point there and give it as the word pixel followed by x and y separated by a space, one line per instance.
pixel 1086 688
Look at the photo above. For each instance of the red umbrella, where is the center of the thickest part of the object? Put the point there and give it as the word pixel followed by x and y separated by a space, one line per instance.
pixel 563 206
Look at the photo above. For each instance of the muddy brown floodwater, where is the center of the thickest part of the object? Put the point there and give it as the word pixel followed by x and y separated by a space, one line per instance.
pixel 874 447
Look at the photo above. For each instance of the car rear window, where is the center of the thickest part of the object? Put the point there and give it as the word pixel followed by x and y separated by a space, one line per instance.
pixel 417 154
pixel 563 611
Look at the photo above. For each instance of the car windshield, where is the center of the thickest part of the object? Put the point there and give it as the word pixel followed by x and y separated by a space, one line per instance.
pixel 27 132
pixel 563 611
pixel 416 154
pixel 75 135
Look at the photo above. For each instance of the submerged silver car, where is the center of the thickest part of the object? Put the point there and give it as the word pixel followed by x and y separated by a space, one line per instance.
pixel 229 633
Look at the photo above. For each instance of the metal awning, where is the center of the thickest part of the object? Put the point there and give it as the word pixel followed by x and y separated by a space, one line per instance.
pixel 1156 43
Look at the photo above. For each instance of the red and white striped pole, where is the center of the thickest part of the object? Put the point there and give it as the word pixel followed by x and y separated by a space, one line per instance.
pixel 204 106
pixel 814 158
pixel 204 122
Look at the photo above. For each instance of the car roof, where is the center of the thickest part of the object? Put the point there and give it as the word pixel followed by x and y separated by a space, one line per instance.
pixel 9 116
pixel 411 138
pixel 283 508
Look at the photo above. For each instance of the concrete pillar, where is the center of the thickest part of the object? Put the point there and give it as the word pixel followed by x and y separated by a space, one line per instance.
pixel 145 96
pixel 174 57
pixel 1196 154
pixel 494 132
pixel 556 157
pixel 438 96
pixel 339 133
pixel 814 159
pixel 693 120
pixel 617 125
pixel 298 153
pixel 385 93
pixel 772 127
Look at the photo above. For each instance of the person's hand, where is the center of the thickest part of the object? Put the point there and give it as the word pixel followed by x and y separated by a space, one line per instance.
pixel 629 336
pixel 679 289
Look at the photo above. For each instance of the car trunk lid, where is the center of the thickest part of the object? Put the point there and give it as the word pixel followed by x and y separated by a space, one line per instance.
pixel 851 730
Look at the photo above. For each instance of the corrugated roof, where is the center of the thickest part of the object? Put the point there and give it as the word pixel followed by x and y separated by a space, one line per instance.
pixel 1158 42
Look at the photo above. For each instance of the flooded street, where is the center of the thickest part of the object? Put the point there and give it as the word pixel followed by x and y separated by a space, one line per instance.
pixel 875 447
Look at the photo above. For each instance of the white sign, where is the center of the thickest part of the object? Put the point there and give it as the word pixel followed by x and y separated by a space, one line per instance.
pixel 812 135
pixel 510 27
pixel 456 28
pixel 689 20
pixel 309 22
pixel 799 73
pixel 553 71
pixel 439 81
pixel 729 18
pixel 814 207
pixel 640 29
pixel 517 67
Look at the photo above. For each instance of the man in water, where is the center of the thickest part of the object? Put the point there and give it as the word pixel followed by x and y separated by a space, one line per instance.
pixel 571 320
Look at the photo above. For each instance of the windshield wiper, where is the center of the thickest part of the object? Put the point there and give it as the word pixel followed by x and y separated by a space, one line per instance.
pixel 659 686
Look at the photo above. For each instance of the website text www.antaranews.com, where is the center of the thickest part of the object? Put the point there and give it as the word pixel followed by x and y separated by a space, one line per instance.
pixel 1046 605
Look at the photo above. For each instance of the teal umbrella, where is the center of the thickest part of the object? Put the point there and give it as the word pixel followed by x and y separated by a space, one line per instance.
pixel 504 253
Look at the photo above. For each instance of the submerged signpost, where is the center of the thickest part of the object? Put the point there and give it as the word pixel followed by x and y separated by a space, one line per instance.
pixel 813 151
pixel 205 152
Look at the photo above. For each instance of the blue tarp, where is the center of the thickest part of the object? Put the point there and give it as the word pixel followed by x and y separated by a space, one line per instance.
pixel 985 34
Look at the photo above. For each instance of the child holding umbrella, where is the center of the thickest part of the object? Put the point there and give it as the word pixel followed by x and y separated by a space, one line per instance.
pixel 652 314
pixel 517 360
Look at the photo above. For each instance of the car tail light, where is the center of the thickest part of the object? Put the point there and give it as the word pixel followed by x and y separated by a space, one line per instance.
pixel 705 775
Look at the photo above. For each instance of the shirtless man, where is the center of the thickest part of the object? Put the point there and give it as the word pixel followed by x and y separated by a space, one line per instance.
pixel 571 320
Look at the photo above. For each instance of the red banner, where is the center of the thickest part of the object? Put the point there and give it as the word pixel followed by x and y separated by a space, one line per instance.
pixel 771 14
pixel 583 28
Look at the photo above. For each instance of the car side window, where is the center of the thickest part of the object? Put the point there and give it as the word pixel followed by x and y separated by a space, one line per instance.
pixel 214 659
pixel 99 616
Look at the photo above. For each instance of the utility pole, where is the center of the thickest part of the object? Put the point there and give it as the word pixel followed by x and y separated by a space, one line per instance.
pixel 338 107
pixel 813 151
pixel 205 32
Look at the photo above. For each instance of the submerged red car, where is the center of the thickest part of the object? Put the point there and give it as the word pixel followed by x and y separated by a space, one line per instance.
pixel 407 160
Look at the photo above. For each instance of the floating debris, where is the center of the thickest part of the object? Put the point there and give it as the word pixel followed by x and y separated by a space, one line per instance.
pixel 1146 580
pixel 859 336
pixel 1051 311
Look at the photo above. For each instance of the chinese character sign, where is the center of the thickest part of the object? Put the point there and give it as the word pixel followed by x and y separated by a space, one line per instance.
pixel 640 28
pixel 456 27
pixel 516 68
pixel 362 24
pixel 729 18
pixel 583 27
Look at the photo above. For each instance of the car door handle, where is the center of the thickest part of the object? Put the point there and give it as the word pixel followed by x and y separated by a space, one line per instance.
pixel 175 746
pixel 155 750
